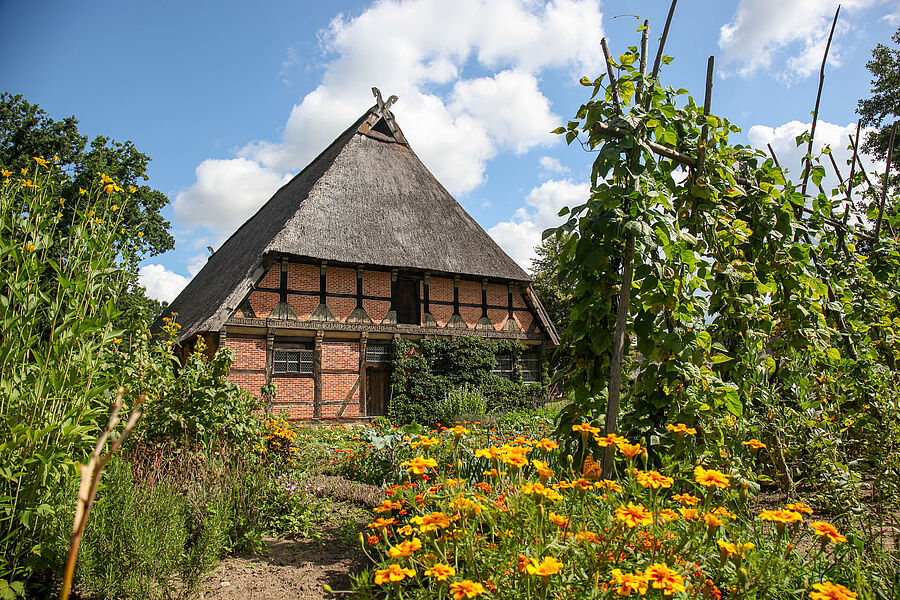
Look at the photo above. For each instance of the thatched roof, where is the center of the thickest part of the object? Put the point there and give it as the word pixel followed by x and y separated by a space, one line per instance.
pixel 367 199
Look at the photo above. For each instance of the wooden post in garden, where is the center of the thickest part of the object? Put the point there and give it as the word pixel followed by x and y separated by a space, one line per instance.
pixel 884 188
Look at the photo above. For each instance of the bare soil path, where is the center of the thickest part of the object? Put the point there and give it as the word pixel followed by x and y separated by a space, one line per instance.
pixel 286 569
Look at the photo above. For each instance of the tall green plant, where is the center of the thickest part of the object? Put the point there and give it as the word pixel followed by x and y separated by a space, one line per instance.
pixel 57 303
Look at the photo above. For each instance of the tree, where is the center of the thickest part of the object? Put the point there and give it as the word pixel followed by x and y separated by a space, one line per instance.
pixel 883 106
pixel 27 131
pixel 546 283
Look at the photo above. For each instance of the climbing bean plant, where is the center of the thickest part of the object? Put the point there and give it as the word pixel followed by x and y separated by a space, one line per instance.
pixel 735 298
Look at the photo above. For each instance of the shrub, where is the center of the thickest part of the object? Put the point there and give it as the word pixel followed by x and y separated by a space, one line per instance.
pixel 461 401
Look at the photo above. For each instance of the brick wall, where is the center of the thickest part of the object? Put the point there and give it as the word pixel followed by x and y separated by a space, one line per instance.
pixel 272 279
pixel 441 289
pixel 441 313
pixel 377 283
pixel 338 388
pixel 251 352
pixel 303 306
pixel 303 277
pixel 341 307
pixel 340 280
pixel 376 309
pixel 340 354
pixel 263 303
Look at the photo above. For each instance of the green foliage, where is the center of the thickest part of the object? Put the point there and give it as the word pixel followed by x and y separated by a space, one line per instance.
pixel 424 373
pixel 26 131
pixel 462 401
pixel 199 406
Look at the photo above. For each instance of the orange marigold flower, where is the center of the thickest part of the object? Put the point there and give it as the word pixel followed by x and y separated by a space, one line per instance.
pixel 542 468
pixel 405 530
pixel 634 515
pixel 561 521
pixel 585 429
pixel 827 530
pixel 419 465
pixel 405 548
pixel 546 445
pixel 610 440
pixel 799 507
pixel 440 571
pixel 458 430
pixel 549 566
pixel 387 506
pixel 681 428
pixel 686 499
pixel 654 479
pixel 608 485
pixel 522 561
pixel 431 522
pixel 710 477
pixel 465 589
pixel 583 485
pixel 540 491
pixel 781 516
pixel 30 247
pixel 490 453
pixel 732 548
pixel 630 450
pixel 424 440
pixel 713 520
pixel 755 444
pixel 393 574
pixel 588 536
pixel 667 514
pixel 372 540
pixel 629 582
pixel 379 523
pixel 831 591
pixel 665 579
pixel 689 513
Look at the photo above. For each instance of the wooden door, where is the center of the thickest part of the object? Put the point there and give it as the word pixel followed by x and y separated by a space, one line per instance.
pixel 407 302
pixel 378 382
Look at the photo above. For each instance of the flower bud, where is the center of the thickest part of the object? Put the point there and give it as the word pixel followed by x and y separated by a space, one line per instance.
pixel 788 550
pixel 743 492
pixel 327 589
pixel 743 576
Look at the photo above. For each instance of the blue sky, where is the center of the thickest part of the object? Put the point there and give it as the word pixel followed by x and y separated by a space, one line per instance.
pixel 230 100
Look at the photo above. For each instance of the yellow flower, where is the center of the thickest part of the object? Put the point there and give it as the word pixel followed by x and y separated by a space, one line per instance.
pixel 781 516
pixel 111 187
pixel 629 582
pixel 609 485
pixel 630 450
pixel 131 189
pixel 440 571
pixel 713 520
pixel 425 441
pixel 140 234
pixel 585 429
pixel 634 515
pixel 546 445
pixel 549 566
pixel 542 468
pixel 28 183
pixel 667 514
pixel 465 589
pixel 379 523
pixel 431 522
pixel 388 506
pixel 731 549
pixel 831 591
pixel 23 170
pixel 82 191
pixel 610 440
pixel 686 499
pixel 56 158
pixel 405 548
pixel 105 178
pixel 540 492
pixel 6 173
pixel 393 574
pixel 561 521
pixel 30 247
pixel 710 477
pixel 58 215
pixel 665 579
pixel 654 479
pixel 419 465
pixel 755 444
pixel 40 161
pixel 458 430
pixel 117 340
pixel 681 428
pixel 689 513
pixel 799 507
pixel 827 531
pixel 115 207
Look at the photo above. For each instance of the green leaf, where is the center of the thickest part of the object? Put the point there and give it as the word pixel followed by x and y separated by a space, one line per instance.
pixel 559 130
pixel 833 354
pixel 719 358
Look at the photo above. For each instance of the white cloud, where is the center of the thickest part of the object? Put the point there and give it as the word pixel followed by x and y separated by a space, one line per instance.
pixel 161 283
pixel 782 138
pixel 195 263
pixel 762 30
pixel 552 166
pixel 519 236
pixel 226 193
pixel 892 19
pixel 419 50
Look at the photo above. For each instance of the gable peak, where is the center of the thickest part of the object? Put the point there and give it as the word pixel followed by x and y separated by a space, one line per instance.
pixel 380 123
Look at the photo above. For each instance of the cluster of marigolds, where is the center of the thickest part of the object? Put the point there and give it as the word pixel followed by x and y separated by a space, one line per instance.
pixel 527 524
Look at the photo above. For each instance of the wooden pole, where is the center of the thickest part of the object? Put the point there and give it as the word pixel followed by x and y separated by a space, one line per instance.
pixel 853 160
pixel 615 370
pixel 886 185
pixel 657 63
pixel 812 132
pixel 862 168
pixel 613 84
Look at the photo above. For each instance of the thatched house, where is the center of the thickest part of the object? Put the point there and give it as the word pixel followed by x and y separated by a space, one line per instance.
pixel 363 246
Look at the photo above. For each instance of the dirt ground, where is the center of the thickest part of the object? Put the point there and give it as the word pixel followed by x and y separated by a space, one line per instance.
pixel 295 569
